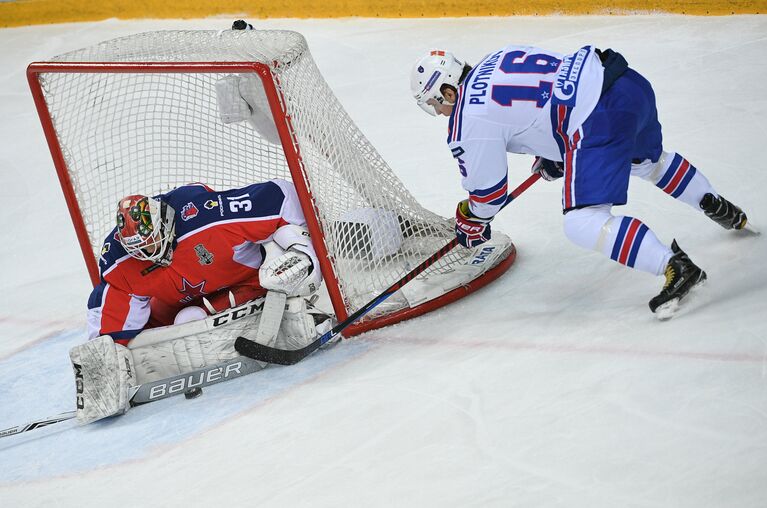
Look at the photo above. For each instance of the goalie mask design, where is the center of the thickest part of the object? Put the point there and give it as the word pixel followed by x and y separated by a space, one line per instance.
pixel 430 73
pixel 146 229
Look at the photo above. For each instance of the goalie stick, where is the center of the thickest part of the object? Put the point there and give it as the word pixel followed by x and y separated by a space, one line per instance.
pixel 160 389
pixel 270 354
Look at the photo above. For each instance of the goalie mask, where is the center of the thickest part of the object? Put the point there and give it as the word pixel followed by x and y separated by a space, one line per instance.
pixel 430 73
pixel 146 229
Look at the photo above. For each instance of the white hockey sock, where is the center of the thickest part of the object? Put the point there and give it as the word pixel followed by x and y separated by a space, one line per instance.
pixel 675 176
pixel 623 239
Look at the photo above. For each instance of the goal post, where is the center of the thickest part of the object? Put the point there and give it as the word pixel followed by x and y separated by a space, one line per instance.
pixel 139 115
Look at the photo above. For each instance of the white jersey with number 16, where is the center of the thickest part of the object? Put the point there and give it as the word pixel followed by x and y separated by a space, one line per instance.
pixel 504 105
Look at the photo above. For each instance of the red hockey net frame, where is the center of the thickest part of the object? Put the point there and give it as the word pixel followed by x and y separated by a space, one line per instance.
pixel 292 152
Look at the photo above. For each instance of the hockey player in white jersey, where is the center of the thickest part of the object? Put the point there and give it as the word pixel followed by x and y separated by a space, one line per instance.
pixel 587 118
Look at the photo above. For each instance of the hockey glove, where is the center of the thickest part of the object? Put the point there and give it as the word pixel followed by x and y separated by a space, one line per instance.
pixel 549 170
pixel 470 229
pixel 292 273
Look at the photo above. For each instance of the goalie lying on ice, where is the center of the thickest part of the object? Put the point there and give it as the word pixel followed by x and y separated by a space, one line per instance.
pixel 178 257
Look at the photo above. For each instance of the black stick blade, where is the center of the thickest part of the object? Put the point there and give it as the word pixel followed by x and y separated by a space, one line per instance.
pixel 268 354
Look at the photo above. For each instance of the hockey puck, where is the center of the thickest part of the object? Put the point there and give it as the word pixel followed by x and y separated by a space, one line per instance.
pixel 193 393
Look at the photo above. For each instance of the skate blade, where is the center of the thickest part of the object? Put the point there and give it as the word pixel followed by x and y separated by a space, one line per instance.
pixel 669 309
pixel 750 229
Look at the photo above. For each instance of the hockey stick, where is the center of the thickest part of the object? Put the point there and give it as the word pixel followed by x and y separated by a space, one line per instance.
pixel 36 424
pixel 160 389
pixel 269 354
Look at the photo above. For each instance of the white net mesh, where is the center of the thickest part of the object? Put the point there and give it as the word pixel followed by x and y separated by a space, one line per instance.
pixel 147 132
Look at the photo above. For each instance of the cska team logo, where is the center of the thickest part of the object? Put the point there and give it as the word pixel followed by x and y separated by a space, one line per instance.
pixel 189 211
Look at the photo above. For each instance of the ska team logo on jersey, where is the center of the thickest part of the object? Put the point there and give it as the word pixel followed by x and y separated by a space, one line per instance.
pixel 189 211
pixel 566 87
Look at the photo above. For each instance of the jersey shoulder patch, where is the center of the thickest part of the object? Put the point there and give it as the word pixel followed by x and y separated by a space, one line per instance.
pixel 112 251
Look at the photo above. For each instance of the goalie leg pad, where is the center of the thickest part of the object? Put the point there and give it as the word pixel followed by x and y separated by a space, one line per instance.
pixel 185 354
pixel 297 328
pixel 271 317
pixel 165 352
pixel 104 377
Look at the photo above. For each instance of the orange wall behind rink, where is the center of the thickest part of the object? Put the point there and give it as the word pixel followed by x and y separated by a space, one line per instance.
pixel 30 12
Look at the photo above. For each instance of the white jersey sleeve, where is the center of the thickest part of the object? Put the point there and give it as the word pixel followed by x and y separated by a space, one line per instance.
pixel 483 166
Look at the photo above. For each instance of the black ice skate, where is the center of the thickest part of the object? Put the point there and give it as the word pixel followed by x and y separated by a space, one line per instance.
pixel 723 212
pixel 681 276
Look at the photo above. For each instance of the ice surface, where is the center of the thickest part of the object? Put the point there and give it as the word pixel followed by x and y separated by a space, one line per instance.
pixel 552 387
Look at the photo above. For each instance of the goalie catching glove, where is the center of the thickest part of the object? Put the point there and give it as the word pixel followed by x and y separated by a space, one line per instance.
pixel 293 269
pixel 470 230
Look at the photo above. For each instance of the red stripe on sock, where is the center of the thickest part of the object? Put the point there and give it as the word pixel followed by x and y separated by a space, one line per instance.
pixel 674 183
pixel 628 240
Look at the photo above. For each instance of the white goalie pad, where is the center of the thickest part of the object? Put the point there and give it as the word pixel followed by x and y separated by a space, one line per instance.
pixel 163 352
pixel 483 258
pixel 271 318
pixel 297 328
pixel 104 376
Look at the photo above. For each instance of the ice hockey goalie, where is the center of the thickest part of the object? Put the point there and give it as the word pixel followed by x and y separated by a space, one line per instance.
pixel 172 270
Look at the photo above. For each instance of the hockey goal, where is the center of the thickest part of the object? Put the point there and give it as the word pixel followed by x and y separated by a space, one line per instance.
pixel 139 115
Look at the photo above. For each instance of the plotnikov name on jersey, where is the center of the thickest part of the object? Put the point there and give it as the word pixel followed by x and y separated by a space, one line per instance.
pixel 479 82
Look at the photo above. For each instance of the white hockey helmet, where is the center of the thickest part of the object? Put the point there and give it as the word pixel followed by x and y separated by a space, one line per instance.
pixel 432 71
pixel 146 229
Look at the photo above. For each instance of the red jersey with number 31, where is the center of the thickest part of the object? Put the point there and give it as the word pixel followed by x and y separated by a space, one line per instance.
pixel 218 244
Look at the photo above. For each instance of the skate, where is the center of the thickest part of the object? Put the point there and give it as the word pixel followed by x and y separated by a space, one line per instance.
pixel 723 212
pixel 682 275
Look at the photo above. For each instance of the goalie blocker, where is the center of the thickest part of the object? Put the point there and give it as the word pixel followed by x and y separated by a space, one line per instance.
pixel 107 374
